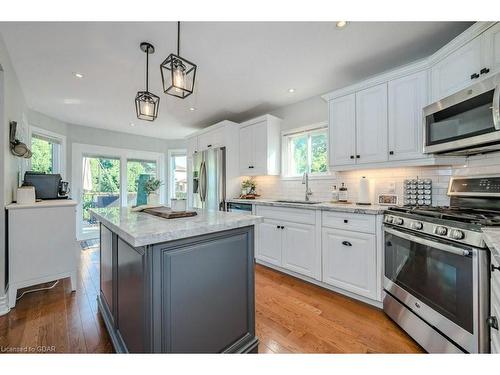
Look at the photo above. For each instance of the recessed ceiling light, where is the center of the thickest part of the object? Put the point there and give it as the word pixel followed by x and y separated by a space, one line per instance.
pixel 291 90
pixel 341 24
pixel 132 124
pixel 71 101
pixel 78 75
pixel 192 108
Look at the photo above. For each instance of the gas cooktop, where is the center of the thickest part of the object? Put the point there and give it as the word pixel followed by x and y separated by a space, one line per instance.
pixel 477 216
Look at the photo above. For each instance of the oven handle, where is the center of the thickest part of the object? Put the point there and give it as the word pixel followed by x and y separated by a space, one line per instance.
pixel 496 108
pixel 423 241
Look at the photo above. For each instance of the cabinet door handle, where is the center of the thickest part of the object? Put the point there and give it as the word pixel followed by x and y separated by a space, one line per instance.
pixel 352 156
pixel 346 221
pixel 209 145
pixel 250 166
pixel 391 152
pixel 346 243
pixel 484 71
pixel 282 227
pixel 278 227
pixel 474 76
pixel 492 321
pixel 357 156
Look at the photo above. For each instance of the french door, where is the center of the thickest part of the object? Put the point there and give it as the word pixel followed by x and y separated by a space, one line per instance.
pixel 105 177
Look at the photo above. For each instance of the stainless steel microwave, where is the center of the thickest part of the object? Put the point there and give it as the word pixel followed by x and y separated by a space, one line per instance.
pixel 465 123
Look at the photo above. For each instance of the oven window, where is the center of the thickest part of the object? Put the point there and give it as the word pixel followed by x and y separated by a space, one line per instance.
pixel 440 279
pixel 466 119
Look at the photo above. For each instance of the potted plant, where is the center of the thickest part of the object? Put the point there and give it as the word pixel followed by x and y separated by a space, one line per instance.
pixel 151 187
pixel 248 186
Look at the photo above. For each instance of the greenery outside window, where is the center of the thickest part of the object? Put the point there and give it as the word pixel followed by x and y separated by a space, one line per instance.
pixel 305 150
pixel 48 153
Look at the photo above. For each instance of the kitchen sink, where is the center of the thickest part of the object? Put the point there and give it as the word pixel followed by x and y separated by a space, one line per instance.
pixel 297 201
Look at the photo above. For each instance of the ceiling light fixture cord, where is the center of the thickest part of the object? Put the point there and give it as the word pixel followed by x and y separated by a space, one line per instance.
pixel 147 68
pixel 178 38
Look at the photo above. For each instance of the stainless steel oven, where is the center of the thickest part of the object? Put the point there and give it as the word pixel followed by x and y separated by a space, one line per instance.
pixel 465 123
pixel 437 290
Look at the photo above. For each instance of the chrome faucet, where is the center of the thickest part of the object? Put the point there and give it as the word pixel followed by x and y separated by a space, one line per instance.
pixel 305 181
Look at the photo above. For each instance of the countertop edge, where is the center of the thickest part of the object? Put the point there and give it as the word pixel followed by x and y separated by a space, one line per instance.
pixel 52 203
pixel 324 206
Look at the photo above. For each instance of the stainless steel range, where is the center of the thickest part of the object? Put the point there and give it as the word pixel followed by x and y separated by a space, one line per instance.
pixel 437 275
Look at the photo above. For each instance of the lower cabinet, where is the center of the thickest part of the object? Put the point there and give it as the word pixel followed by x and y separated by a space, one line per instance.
pixel 292 245
pixel 495 306
pixel 349 261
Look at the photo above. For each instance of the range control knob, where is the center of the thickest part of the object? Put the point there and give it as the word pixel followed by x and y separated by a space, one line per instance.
pixel 457 234
pixel 398 221
pixel 441 231
pixel 389 219
pixel 416 225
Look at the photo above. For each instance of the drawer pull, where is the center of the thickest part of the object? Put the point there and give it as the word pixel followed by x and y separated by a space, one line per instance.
pixel 346 221
pixel 346 243
pixel 492 322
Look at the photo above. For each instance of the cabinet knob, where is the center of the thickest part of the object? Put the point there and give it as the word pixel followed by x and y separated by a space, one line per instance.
pixel 282 227
pixel 484 71
pixel 346 221
pixel 357 156
pixel 346 243
pixel 278 227
pixel 474 76
pixel 352 156
pixel 391 152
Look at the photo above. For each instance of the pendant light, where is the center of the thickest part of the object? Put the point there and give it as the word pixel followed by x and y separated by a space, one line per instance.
pixel 177 73
pixel 147 103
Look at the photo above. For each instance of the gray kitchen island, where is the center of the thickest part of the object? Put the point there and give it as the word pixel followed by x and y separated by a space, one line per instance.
pixel 179 285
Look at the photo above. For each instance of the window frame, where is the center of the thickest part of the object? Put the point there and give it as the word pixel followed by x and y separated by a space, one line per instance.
pixel 171 185
pixel 59 156
pixel 285 150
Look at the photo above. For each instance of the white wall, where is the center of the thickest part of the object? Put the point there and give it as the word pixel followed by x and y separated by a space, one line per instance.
pixel 14 104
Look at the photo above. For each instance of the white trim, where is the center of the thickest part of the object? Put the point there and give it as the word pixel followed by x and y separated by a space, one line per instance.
pixel 170 153
pixel 61 162
pixel 4 303
pixel 79 150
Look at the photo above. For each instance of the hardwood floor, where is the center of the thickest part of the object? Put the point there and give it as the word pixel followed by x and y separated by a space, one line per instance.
pixel 292 316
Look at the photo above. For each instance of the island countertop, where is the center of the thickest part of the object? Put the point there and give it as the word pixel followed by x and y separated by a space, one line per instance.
pixel 141 229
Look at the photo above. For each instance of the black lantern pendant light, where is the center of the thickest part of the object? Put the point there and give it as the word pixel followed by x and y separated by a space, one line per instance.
pixel 146 103
pixel 177 73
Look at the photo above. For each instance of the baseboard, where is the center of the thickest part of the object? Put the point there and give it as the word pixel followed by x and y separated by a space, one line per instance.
pixel 4 304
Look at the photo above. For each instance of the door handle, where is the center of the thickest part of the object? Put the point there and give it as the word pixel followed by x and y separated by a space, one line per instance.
pixel 346 243
pixel 484 71
pixel 496 107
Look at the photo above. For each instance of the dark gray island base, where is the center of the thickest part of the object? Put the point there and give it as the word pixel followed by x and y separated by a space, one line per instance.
pixel 191 295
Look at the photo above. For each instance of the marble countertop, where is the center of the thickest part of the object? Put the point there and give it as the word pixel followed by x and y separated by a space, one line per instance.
pixel 140 229
pixel 43 204
pixel 492 239
pixel 324 206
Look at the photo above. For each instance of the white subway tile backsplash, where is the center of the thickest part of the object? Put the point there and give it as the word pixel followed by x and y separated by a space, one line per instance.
pixel 387 180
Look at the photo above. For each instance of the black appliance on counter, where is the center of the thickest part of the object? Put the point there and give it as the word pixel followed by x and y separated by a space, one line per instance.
pixel 47 186
pixel 437 267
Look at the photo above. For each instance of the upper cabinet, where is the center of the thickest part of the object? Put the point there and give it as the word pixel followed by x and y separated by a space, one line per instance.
pixel 371 124
pixel 192 146
pixel 211 139
pixel 342 130
pixel 259 146
pixel 214 136
pixel 406 98
pixel 468 64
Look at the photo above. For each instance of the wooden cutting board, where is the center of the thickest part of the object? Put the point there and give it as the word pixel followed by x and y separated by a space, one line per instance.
pixel 167 213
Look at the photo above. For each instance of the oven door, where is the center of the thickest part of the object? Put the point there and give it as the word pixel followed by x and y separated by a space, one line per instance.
pixel 465 120
pixel 435 279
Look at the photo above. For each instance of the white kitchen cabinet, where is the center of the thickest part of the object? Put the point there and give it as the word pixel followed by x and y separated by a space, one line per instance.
pixel 297 242
pixel 269 241
pixel 192 146
pixel 292 245
pixel 342 130
pixel 495 306
pixel 406 98
pixel 259 142
pixel 371 124
pixel 350 261
pixel 211 139
pixel 491 50
pixel 457 70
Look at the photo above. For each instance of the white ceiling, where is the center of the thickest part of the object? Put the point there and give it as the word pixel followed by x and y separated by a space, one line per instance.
pixel 244 68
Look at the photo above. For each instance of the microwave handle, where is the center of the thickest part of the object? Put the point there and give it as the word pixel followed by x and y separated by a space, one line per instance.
pixel 496 108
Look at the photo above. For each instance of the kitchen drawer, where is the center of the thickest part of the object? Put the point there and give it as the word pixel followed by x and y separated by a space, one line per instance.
pixel 295 215
pixel 347 221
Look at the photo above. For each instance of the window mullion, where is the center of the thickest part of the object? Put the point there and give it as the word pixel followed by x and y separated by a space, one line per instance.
pixel 309 153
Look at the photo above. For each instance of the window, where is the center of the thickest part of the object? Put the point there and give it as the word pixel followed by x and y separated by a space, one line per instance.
pixel 48 151
pixel 135 168
pixel 306 151
pixel 178 175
